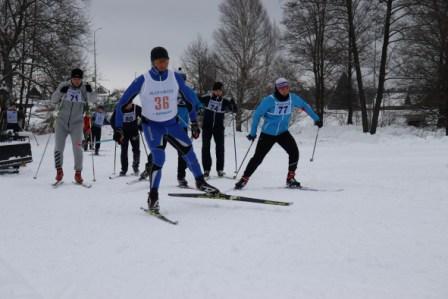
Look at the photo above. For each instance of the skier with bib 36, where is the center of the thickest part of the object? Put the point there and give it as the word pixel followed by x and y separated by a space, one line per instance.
pixel 276 109
pixel 158 90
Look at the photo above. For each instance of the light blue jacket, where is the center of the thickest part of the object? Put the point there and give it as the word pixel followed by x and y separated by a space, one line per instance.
pixel 277 114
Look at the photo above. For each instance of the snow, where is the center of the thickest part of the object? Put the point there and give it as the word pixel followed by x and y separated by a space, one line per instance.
pixel 384 236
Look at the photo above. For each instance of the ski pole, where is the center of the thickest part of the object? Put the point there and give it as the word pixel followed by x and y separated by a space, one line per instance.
pixel 42 158
pixel 315 143
pixel 115 158
pixel 234 143
pixel 93 161
pixel 143 141
pixel 242 162
pixel 35 139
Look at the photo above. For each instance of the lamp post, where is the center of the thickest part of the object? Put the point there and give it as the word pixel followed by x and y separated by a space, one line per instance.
pixel 94 55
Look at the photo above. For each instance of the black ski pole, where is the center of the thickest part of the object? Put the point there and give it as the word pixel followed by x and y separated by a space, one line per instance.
pixel 93 160
pixel 115 158
pixel 143 141
pixel 43 155
pixel 315 143
pixel 242 162
pixel 234 144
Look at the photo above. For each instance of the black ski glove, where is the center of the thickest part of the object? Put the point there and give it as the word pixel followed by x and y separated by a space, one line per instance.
pixel 118 136
pixel 88 88
pixel 318 123
pixel 195 131
pixel 251 137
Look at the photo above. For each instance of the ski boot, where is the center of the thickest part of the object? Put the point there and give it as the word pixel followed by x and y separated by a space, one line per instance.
pixel 291 182
pixel 182 182
pixel 78 177
pixel 206 175
pixel 202 185
pixel 59 174
pixel 153 201
pixel 241 183
pixel 221 173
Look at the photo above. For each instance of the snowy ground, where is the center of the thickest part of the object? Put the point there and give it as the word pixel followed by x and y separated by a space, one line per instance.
pixel 384 236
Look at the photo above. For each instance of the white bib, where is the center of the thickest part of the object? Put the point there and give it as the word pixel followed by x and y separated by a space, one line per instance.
pixel 129 117
pixel 73 95
pixel 99 119
pixel 282 108
pixel 11 117
pixel 214 105
pixel 159 98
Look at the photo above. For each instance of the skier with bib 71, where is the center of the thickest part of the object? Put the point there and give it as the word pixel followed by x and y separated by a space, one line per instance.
pixel 276 109
pixel 158 90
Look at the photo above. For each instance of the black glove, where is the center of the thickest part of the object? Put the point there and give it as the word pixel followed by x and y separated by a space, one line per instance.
pixel 195 131
pixel 118 136
pixel 88 88
pixel 64 89
pixel 251 137
pixel 318 123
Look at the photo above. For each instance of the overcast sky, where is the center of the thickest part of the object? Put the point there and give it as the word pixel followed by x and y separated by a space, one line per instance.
pixel 131 28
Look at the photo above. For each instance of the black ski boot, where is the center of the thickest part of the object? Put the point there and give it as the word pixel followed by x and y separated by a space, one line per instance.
pixel 241 183
pixel 202 185
pixel 146 172
pixel 291 182
pixel 122 173
pixel 221 173
pixel 182 183
pixel 206 175
pixel 153 201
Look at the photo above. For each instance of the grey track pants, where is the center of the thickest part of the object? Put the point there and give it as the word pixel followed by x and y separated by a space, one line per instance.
pixel 76 135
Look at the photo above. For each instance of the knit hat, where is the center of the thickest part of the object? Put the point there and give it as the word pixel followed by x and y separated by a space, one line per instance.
pixel 158 53
pixel 217 86
pixel 281 82
pixel 77 73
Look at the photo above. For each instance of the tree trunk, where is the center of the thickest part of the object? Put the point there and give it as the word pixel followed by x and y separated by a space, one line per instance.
pixel 362 96
pixel 382 74
pixel 349 86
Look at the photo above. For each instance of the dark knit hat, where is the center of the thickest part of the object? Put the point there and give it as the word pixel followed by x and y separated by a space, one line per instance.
pixel 158 53
pixel 77 73
pixel 217 86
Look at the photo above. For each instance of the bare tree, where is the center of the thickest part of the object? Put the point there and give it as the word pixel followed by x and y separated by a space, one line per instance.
pixel 245 47
pixel 308 29
pixel 199 64
pixel 39 42
pixel 424 56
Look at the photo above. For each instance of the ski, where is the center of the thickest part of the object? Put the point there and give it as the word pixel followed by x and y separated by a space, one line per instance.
pixel 57 184
pixel 135 181
pixel 224 196
pixel 85 185
pixel 116 176
pixel 317 189
pixel 159 216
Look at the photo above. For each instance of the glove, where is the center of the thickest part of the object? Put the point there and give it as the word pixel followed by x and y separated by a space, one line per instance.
pixel 251 137
pixel 88 88
pixel 64 89
pixel 195 131
pixel 318 123
pixel 118 136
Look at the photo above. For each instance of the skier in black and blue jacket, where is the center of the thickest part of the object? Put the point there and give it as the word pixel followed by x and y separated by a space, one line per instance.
pixel 276 109
pixel 158 90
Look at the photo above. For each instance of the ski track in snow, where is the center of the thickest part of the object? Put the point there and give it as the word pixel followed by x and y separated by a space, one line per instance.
pixel 384 236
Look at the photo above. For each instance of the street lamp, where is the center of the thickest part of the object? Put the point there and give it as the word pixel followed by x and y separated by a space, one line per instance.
pixel 94 55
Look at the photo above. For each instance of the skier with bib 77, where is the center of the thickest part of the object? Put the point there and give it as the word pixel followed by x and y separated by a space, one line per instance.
pixel 276 109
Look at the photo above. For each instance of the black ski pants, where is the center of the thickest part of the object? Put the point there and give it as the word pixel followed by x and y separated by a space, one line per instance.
pixel 264 145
